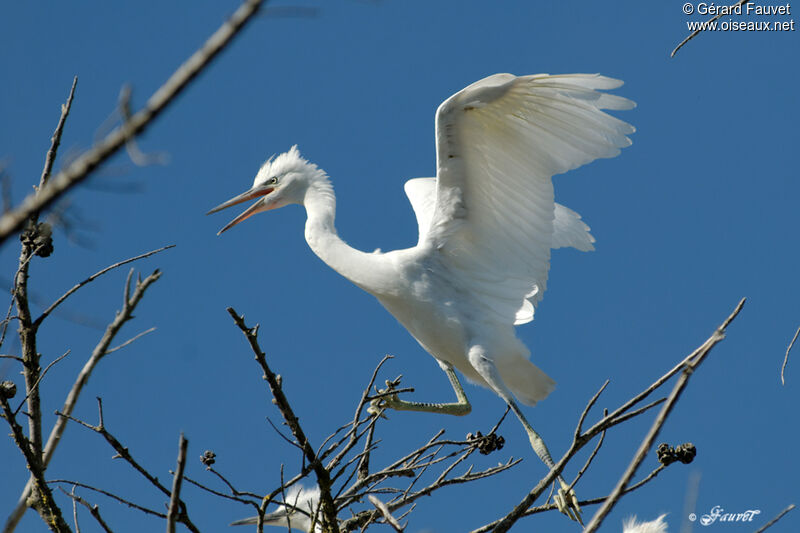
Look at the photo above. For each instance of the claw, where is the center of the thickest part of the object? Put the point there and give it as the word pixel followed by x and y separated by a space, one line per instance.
pixel 567 502
pixel 376 408
pixel 379 405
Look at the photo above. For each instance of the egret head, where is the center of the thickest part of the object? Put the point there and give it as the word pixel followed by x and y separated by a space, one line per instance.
pixel 281 180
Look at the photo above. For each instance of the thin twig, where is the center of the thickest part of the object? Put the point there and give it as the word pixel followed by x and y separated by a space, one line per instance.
pixel 55 141
pixel 233 490
pixel 774 520
pixel 323 476
pixel 386 513
pixel 786 357
pixel 131 340
pixel 702 26
pixel 591 457
pixel 124 453
pixel 175 496
pixel 94 510
pixel 113 496
pixel 138 157
pixel 93 277
pixel 583 503
pixel 80 169
pixel 74 508
pixel 218 493
pixel 579 427
pixel 39 379
pixel 122 316
pixel 504 524
pixel 647 442
pixel 48 510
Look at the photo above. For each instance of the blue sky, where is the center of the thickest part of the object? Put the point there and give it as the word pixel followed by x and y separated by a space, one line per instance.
pixel 701 211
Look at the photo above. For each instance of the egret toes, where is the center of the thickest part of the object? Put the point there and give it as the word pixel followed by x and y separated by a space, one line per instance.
pixel 567 502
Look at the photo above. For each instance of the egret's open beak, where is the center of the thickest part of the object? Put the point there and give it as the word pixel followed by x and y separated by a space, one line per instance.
pixel 261 205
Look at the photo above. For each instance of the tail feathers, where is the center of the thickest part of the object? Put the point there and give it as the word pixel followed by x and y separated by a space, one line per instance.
pixel 528 383
pixel 570 231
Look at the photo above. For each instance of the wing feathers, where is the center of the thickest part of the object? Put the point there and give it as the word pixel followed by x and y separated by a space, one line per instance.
pixel 499 142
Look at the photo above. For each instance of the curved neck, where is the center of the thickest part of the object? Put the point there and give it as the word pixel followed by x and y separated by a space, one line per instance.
pixel 360 268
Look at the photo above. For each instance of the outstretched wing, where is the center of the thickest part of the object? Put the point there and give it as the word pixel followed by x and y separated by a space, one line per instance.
pixel 498 143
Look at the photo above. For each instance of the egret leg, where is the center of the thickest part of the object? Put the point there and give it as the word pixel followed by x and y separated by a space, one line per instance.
pixel 565 498
pixel 460 407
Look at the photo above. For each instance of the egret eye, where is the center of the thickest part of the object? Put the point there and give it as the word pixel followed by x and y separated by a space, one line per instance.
pixel 273 180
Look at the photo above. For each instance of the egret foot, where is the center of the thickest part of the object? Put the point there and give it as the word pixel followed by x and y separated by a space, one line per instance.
pixel 567 502
pixel 378 405
pixel 391 401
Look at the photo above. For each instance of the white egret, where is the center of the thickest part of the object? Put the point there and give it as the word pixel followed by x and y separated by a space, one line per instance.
pixel 298 511
pixel 631 525
pixel 487 223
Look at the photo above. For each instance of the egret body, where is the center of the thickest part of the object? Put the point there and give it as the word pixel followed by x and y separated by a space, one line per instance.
pixel 487 223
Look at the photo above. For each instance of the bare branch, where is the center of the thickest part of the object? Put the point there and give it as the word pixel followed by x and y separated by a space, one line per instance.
pixel 138 157
pixel 124 454
pixel 218 493
pixel 387 515
pixel 230 486
pixel 697 31
pixel 130 341
pixel 93 509
pixel 579 427
pixel 74 508
pixel 323 476
pixel 39 379
pixel 47 508
pixel 55 141
pixel 786 357
pixel 78 171
pixel 175 497
pixel 647 442
pixel 591 456
pixel 110 495
pixel 93 277
pixel 774 520
pixel 504 524
pixel 125 314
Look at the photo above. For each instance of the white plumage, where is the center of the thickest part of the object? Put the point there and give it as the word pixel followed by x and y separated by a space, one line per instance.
pixel 631 525
pixel 487 223
pixel 298 511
